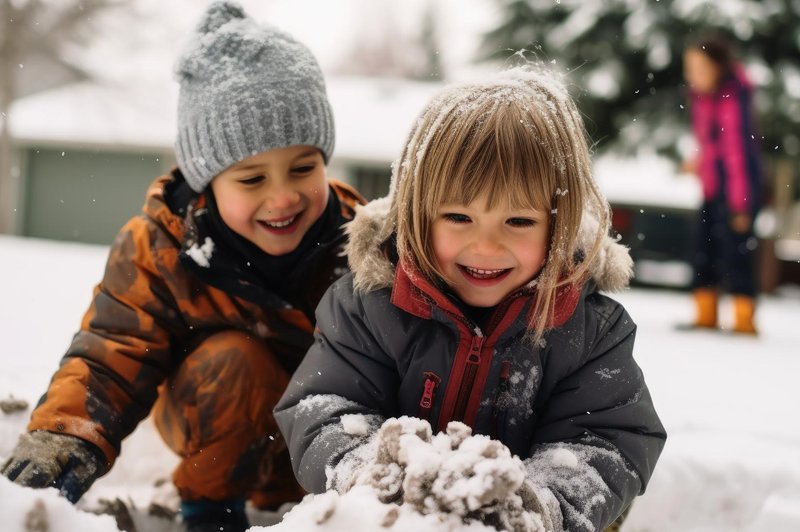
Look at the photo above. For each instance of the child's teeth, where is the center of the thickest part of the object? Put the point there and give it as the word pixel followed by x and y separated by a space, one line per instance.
pixel 278 225
pixel 478 272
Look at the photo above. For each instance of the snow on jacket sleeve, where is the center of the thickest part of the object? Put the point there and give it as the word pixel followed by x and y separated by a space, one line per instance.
pixel 345 373
pixel 598 437
pixel 107 381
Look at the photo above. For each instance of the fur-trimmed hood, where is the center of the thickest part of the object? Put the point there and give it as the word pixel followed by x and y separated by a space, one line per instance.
pixel 374 223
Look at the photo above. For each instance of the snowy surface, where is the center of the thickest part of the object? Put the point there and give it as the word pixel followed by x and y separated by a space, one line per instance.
pixel 732 460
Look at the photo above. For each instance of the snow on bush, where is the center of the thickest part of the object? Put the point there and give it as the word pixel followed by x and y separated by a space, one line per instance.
pixel 416 481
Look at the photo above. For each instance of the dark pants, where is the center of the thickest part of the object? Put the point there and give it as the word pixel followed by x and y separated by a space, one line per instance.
pixel 724 258
pixel 216 413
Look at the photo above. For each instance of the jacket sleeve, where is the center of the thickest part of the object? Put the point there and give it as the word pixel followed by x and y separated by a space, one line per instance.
pixel 107 381
pixel 734 137
pixel 599 437
pixel 336 396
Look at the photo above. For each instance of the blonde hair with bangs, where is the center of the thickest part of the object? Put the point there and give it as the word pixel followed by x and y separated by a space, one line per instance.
pixel 520 138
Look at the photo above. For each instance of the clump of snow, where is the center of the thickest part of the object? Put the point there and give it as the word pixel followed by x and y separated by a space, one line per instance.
pixel 564 458
pixel 452 477
pixel 27 509
pixel 355 424
pixel 202 254
pixel 359 510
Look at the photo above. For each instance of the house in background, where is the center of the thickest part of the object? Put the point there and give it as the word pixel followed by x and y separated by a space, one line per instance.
pixel 86 152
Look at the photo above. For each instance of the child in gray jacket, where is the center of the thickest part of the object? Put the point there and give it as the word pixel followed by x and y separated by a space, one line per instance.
pixel 475 297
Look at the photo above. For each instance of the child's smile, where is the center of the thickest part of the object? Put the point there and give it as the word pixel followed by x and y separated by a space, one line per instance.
pixel 485 254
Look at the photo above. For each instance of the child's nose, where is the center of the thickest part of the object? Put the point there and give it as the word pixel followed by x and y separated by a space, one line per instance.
pixel 282 198
pixel 487 243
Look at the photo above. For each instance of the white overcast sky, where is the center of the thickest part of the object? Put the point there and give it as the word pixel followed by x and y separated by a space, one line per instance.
pixel 331 28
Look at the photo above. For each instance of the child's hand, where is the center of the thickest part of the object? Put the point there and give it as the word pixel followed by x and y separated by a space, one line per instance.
pixel 740 222
pixel 44 459
pixel 688 166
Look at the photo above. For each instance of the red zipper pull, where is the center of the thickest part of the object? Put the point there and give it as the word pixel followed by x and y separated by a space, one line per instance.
pixel 428 391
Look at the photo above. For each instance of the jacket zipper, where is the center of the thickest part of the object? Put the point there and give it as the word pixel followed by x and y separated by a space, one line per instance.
pixel 432 381
pixel 472 363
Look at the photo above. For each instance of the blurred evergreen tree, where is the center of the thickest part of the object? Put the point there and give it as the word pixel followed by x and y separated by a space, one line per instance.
pixel 623 59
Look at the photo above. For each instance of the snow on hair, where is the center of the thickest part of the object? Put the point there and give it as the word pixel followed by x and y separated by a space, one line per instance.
pixel 520 138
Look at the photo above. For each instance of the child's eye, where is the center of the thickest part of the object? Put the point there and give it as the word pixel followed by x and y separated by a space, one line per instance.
pixel 456 218
pixel 521 222
pixel 252 180
pixel 303 170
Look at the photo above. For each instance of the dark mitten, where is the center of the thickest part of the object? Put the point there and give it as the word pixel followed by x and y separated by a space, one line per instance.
pixel 44 459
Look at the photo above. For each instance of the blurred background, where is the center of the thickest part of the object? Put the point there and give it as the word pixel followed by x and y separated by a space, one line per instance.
pixel 87 102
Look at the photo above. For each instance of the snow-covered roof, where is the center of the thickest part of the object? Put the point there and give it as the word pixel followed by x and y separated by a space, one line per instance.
pixel 373 116
pixel 99 114
pixel 646 180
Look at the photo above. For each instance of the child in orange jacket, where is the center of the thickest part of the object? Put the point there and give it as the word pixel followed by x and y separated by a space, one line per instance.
pixel 206 305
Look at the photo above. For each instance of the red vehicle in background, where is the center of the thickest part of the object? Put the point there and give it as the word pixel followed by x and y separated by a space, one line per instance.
pixel 654 213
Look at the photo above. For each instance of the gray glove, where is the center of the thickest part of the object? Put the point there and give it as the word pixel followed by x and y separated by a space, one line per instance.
pixel 532 502
pixel 44 459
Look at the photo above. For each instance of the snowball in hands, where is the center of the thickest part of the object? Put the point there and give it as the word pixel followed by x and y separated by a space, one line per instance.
pixel 451 475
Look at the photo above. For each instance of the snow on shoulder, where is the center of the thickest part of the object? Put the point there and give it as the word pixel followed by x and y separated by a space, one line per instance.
pixel 413 480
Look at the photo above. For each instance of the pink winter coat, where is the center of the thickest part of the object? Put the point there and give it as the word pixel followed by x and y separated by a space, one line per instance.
pixel 723 126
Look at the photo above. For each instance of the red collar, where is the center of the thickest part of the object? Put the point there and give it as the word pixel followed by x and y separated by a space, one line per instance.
pixel 414 293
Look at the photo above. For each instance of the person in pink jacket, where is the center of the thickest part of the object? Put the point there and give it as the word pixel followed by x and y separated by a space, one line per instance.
pixel 730 173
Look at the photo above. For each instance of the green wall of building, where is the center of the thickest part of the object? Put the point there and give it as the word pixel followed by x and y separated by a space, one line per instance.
pixel 84 195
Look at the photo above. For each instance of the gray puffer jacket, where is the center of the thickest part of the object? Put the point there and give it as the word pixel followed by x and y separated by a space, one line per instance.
pixel 389 344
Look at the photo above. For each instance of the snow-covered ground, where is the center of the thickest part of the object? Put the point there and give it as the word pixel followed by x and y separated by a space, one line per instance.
pixel 732 461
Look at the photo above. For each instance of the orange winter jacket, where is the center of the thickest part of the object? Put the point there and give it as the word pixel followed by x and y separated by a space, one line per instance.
pixel 150 310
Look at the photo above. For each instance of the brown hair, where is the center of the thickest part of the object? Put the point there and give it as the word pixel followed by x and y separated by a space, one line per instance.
pixel 717 48
pixel 519 138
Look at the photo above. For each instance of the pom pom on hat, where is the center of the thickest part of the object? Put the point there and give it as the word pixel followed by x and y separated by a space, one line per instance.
pixel 245 88
pixel 218 14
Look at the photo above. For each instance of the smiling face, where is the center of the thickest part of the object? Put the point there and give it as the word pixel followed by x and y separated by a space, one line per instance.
pixel 273 197
pixel 485 254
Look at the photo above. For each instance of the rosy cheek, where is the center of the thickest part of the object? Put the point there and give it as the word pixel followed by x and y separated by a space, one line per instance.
pixel 232 211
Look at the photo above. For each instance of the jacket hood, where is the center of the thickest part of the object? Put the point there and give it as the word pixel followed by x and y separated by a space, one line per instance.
pixel 374 223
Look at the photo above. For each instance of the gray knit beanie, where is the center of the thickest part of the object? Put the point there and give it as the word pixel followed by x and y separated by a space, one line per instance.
pixel 245 88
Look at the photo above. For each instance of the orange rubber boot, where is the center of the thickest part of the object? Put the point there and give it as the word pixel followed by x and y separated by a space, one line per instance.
pixel 705 300
pixel 743 311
